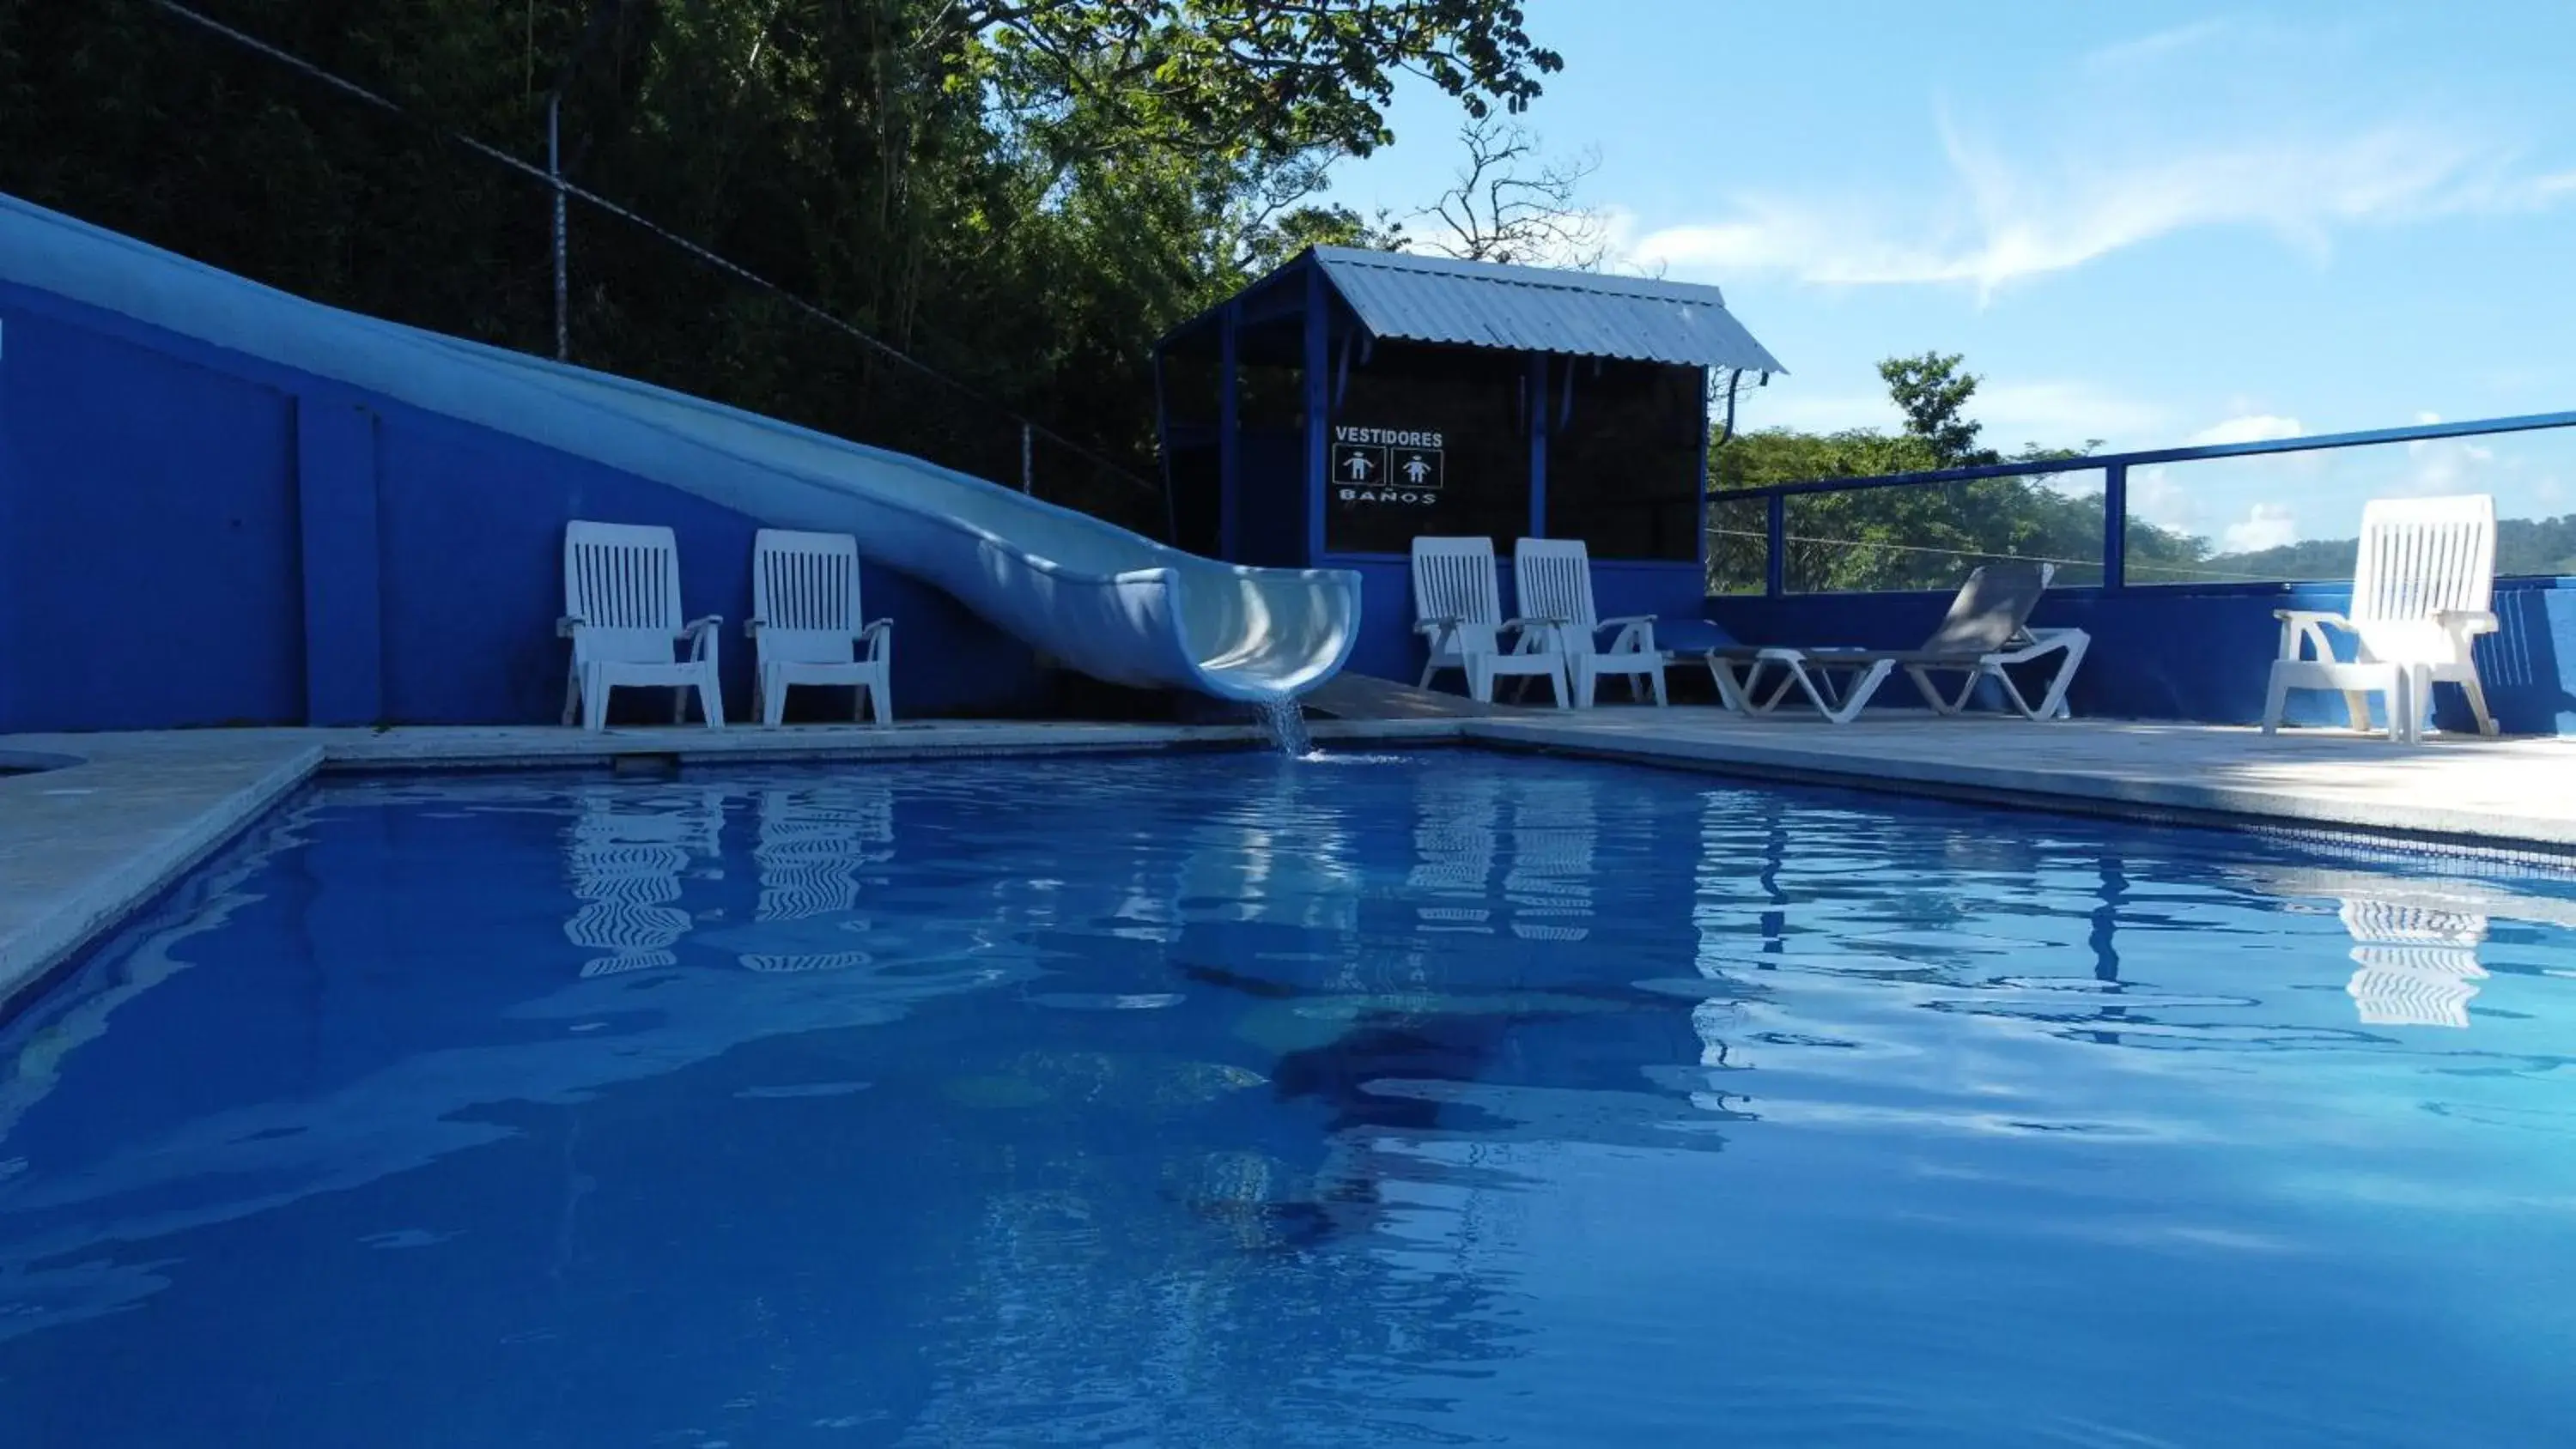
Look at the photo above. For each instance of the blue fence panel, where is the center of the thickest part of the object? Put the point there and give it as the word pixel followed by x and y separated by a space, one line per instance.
pixel 2177 590
pixel 2136 551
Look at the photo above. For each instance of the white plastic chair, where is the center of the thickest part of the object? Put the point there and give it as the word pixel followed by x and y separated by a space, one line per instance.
pixel 1554 580
pixel 2420 596
pixel 1458 608
pixel 622 614
pixel 805 624
pixel 627 856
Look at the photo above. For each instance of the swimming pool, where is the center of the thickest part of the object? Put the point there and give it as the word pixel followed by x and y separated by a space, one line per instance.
pixel 1221 1099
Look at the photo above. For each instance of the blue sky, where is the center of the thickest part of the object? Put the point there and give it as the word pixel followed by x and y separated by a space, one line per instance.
pixel 2146 223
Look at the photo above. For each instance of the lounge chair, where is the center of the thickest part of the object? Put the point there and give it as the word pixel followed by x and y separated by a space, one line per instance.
pixel 622 614
pixel 1986 630
pixel 805 625
pixel 1457 607
pixel 1554 579
pixel 2420 596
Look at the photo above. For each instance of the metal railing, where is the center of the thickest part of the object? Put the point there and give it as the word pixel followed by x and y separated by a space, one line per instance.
pixel 1733 536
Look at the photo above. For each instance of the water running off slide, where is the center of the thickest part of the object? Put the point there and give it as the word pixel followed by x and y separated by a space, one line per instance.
pixel 1099 599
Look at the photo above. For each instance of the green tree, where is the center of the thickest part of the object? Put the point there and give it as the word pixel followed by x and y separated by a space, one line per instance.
pixel 1933 392
pixel 1021 195
pixel 1268 243
pixel 1238 78
pixel 1924 536
pixel 2523 546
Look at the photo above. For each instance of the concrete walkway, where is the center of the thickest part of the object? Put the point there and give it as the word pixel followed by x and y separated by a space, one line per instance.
pixel 83 845
pixel 2504 793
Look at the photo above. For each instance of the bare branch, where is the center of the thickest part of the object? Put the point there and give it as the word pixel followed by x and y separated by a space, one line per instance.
pixel 1510 203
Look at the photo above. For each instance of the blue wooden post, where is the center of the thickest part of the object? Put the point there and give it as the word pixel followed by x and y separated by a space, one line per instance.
pixel 1163 452
pixel 1705 376
pixel 1319 361
pixel 11 466
pixel 1775 529
pixel 1538 431
pixel 1229 444
pixel 2115 526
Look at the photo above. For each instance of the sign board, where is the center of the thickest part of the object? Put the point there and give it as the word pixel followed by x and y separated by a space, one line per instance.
pixel 1415 467
pixel 1401 466
pixel 1359 465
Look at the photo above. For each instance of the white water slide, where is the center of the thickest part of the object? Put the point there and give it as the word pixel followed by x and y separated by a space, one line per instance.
pixel 1112 604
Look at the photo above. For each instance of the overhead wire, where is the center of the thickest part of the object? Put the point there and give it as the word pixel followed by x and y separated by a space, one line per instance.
pixel 694 250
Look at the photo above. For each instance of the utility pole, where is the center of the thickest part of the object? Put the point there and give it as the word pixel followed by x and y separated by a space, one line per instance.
pixel 602 15
pixel 563 262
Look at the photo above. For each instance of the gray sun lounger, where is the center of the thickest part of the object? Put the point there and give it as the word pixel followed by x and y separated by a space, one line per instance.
pixel 1987 628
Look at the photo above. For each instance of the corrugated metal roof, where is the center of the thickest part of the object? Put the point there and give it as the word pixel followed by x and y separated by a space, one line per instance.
pixel 1531 309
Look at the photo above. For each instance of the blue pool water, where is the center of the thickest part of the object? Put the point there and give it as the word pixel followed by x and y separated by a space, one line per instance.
pixel 1229 1100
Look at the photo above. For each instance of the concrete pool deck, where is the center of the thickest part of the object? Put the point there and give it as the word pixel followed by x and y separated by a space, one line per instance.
pixel 2506 794
pixel 84 845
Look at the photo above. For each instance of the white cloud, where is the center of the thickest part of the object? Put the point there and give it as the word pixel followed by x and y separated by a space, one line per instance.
pixel 1781 405
pixel 2205 126
pixel 2267 500
pixel 2197 497
pixel 2146 49
pixel 2249 428
pixel 2027 218
pixel 2155 497
pixel 2054 413
pixel 2438 466
pixel 2060 414
pixel 2265 525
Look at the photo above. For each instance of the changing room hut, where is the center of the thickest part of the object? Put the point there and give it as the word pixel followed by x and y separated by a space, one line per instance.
pixel 1351 401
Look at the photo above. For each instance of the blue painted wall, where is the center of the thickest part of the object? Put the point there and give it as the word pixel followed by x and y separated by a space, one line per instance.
pixel 193 537
pixel 1387 646
pixel 149 553
pixel 1665 590
pixel 2203 654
